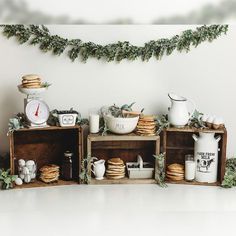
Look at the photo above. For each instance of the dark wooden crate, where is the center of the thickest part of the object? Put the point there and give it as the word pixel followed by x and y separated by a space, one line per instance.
pixel 177 142
pixel 126 147
pixel 47 146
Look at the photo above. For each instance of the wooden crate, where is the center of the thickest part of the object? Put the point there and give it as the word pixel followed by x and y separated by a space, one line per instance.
pixel 47 146
pixel 177 142
pixel 126 147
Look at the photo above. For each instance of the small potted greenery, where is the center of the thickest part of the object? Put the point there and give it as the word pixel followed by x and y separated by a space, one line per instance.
pixel 65 117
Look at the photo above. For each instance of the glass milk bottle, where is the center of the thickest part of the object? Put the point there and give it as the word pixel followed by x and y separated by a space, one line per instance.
pixel 190 168
pixel 93 121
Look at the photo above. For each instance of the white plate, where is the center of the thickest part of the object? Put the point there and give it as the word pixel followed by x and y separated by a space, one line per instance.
pixel 31 91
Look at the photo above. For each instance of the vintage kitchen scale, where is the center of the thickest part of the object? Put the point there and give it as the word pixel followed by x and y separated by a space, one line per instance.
pixel 36 110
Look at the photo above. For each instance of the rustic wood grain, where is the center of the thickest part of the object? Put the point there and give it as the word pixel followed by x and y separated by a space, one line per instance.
pixel 191 183
pixel 178 142
pixel 191 130
pixel 47 146
pixel 125 180
pixel 126 147
pixel 39 183
pixel 223 147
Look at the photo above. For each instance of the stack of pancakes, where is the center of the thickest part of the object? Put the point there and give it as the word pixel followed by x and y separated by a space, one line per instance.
pixel 115 169
pixel 31 81
pixel 49 173
pixel 175 172
pixel 146 126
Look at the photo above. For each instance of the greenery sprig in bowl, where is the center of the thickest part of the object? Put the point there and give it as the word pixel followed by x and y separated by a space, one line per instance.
pixel 119 119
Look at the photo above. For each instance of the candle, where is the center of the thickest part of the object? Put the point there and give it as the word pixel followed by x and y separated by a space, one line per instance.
pixel 94 123
pixel 190 168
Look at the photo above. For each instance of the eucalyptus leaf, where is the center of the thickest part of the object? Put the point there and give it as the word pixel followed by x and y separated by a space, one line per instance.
pixel 196 120
pixel 161 123
pixel 7 179
pixel 230 174
pixel 160 169
pixel 85 173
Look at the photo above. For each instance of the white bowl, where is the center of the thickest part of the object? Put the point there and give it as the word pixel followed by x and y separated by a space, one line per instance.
pixel 31 91
pixel 119 125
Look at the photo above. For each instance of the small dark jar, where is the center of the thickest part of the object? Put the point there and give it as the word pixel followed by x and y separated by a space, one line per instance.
pixel 66 167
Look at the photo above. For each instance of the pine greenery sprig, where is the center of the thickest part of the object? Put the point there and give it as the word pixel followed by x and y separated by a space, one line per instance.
pixel 7 179
pixel 40 35
pixel 160 169
pixel 230 174
pixel 85 175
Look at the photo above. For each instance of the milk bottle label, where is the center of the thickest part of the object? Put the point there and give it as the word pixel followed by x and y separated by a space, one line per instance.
pixel 205 161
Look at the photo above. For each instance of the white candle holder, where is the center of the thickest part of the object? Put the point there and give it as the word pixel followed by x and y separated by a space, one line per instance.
pixel 94 119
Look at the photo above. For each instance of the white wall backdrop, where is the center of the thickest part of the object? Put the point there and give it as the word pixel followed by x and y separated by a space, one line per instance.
pixel 206 75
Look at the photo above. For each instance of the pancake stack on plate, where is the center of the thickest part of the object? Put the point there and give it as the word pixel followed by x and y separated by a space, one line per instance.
pixel 49 173
pixel 146 126
pixel 31 81
pixel 115 168
pixel 175 172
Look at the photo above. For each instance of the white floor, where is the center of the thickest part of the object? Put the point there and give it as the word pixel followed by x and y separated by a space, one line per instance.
pixel 118 210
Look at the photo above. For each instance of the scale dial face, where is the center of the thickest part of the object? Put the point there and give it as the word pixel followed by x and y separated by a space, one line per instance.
pixel 37 111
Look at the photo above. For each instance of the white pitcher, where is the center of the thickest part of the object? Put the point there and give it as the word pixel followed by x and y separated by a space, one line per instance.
pixel 206 156
pixel 98 168
pixel 179 115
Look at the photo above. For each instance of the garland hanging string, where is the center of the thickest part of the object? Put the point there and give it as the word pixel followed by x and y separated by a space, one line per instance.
pixel 40 35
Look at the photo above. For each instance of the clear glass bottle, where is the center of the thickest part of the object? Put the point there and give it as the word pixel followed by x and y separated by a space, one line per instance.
pixel 190 168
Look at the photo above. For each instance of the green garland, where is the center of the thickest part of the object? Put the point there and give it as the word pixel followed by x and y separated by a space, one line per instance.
pixel 116 51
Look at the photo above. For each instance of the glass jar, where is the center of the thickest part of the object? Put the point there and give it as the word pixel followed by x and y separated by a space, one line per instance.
pixel 94 119
pixel 190 168
pixel 66 168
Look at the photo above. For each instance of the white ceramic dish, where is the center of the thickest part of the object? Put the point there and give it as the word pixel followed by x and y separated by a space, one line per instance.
pixel 31 91
pixel 139 173
pixel 119 125
pixel 67 119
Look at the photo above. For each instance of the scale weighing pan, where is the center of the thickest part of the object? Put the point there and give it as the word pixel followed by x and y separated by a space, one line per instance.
pixel 31 91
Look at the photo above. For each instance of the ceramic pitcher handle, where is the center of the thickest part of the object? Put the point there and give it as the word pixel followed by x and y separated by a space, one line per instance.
pixel 193 105
pixel 140 161
pixel 94 158
pixel 195 137
pixel 218 138
pixel 92 165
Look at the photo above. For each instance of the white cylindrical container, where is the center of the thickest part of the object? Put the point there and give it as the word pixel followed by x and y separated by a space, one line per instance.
pixel 190 168
pixel 206 157
pixel 94 123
